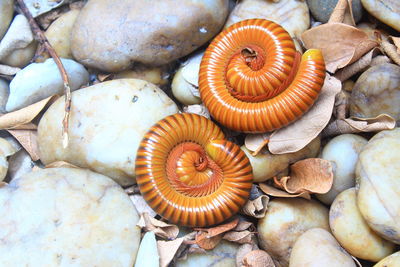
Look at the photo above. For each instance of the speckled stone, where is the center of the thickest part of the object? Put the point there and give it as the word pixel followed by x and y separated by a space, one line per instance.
pixel 322 9
pixel 108 121
pixel 150 32
pixel 67 217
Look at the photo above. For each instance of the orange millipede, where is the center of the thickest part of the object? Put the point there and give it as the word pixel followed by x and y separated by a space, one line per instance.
pixel 189 174
pixel 252 79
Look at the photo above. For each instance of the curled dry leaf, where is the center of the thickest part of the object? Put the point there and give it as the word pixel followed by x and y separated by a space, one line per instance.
pixel 28 140
pixel 197 109
pixel 359 125
pixel 340 44
pixel 255 142
pixel 358 66
pixel 160 228
pixel 309 175
pixel 208 238
pixel 297 135
pixel 342 104
pixel 242 251
pixel 343 12
pixel 242 237
pixel 141 205
pixel 391 50
pixel 257 258
pixel 168 249
pixel 275 192
pixel 244 225
pixel 21 119
pixel 257 207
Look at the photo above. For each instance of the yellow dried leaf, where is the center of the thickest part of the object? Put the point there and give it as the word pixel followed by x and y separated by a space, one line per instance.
pixel 21 119
pixel 28 140
pixel 160 228
pixel 359 125
pixel 297 135
pixel 309 175
pixel 275 192
pixel 341 44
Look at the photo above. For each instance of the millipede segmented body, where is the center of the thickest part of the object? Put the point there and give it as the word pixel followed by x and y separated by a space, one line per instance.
pixel 189 174
pixel 252 79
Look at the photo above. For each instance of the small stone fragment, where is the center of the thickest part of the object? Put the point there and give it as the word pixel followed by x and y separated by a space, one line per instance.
pixel 6 14
pixel 322 9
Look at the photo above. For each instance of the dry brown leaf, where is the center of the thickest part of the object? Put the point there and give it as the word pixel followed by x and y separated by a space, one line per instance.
pixel 396 41
pixel 20 118
pixel 275 192
pixel 61 164
pixel 342 104
pixel 242 237
pixel 340 44
pixel 360 65
pixel 167 250
pixel 242 251
pixel 208 238
pixel 343 12
pixel 160 228
pixel 141 205
pixel 358 125
pixel 104 76
pixel 257 207
pixel 255 142
pixel 312 175
pixel 297 135
pixel 28 140
pixel 257 258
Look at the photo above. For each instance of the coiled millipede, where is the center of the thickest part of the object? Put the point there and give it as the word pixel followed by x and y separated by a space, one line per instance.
pixel 189 174
pixel 252 79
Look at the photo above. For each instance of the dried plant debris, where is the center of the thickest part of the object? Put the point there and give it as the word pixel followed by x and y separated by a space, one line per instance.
pixel 141 205
pixel 28 140
pixel 209 238
pixel 359 125
pixel 309 175
pixel 341 44
pixel 256 142
pixel 275 192
pixel 257 258
pixel 198 109
pixel 21 119
pixel 297 135
pixel 256 208
pixel 61 164
pixel 168 250
pixel 160 228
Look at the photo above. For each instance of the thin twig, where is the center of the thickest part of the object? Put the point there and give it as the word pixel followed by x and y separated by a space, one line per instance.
pixel 44 42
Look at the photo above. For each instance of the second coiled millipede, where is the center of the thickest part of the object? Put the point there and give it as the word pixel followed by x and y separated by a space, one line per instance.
pixel 189 174
pixel 252 79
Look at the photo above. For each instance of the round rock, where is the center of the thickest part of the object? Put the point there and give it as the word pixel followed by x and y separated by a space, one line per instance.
pixel 108 121
pixel 378 182
pixel 377 91
pixel 67 217
pixel 38 81
pixel 149 32
pixel 322 9
pixel 387 11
